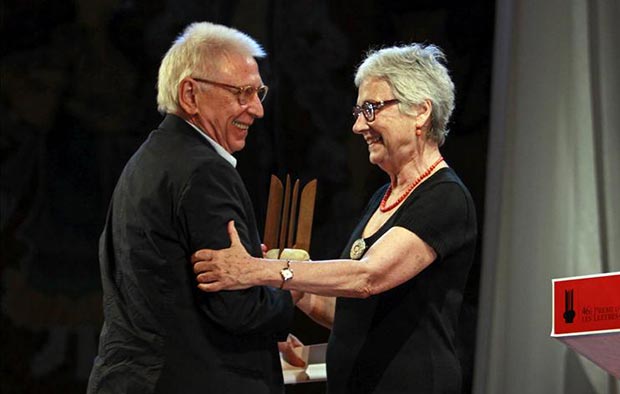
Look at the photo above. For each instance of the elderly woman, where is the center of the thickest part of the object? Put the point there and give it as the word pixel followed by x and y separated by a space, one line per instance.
pixel 398 286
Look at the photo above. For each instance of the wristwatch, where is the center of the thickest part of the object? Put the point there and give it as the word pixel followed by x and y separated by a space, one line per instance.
pixel 286 273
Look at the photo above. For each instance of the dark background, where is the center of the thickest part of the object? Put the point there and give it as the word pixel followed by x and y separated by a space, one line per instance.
pixel 78 97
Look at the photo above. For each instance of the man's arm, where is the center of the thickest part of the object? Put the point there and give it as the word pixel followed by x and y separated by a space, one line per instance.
pixel 215 195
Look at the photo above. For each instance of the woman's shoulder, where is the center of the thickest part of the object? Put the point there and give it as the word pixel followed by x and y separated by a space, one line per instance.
pixel 441 192
pixel 445 179
pixel 446 174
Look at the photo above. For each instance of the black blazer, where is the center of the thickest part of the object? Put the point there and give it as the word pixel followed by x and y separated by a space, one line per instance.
pixel 161 334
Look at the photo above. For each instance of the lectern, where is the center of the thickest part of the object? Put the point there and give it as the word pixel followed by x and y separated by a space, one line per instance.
pixel 586 317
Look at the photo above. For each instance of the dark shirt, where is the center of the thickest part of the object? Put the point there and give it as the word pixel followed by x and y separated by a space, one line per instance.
pixel 403 340
pixel 161 334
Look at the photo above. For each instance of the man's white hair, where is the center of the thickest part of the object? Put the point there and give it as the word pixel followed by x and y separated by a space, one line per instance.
pixel 198 49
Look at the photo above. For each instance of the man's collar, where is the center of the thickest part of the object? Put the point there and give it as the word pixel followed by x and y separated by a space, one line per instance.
pixel 218 148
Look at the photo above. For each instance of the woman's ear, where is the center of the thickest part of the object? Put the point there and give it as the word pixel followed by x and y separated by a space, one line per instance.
pixel 423 118
pixel 187 97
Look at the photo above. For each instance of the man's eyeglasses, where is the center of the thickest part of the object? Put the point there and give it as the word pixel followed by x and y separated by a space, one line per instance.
pixel 244 93
pixel 370 108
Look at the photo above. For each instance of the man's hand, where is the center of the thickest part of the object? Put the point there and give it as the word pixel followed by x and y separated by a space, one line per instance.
pixel 287 350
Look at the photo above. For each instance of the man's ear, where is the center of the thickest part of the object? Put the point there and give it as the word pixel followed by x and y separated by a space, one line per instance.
pixel 425 110
pixel 187 97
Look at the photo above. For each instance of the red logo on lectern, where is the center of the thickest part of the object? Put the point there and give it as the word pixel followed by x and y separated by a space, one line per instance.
pixel 586 304
pixel 569 304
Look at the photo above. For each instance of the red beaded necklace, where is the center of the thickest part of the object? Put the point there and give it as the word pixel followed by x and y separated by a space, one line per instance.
pixel 415 183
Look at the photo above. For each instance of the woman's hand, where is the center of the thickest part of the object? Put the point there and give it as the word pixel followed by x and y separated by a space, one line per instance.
pixel 297 296
pixel 264 248
pixel 287 350
pixel 225 269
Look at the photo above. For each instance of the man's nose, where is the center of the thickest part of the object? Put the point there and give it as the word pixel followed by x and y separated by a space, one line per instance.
pixel 255 107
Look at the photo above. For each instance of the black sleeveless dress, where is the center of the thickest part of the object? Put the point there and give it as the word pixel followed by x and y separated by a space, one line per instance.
pixel 403 340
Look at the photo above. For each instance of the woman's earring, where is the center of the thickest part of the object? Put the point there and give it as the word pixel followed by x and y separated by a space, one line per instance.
pixel 418 132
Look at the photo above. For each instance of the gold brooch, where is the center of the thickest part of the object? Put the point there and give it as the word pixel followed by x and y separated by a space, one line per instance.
pixel 358 249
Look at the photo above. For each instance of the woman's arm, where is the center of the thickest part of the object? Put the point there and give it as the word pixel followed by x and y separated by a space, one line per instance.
pixel 395 258
pixel 319 308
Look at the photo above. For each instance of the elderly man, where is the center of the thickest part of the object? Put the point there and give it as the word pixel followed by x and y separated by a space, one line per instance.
pixel 175 195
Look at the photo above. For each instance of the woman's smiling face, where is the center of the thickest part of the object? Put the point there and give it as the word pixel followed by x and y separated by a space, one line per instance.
pixel 391 133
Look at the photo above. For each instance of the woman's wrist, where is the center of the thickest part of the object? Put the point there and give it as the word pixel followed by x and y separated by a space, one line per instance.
pixel 269 272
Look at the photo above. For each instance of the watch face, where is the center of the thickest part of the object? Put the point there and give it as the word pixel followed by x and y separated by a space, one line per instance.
pixel 287 274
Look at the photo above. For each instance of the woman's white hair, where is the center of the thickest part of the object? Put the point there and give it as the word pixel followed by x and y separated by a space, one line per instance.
pixel 198 49
pixel 415 72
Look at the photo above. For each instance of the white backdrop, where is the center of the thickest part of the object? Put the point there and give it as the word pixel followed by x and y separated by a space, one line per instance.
pixel 553 187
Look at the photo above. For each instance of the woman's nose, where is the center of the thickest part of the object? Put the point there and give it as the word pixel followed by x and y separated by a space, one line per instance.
pixel 360 124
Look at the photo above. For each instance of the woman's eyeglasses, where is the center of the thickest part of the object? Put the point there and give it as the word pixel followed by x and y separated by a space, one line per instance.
pixel 370 108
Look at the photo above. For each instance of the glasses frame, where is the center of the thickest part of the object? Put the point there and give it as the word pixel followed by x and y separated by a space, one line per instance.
pixel 244 93
pixel 370 108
